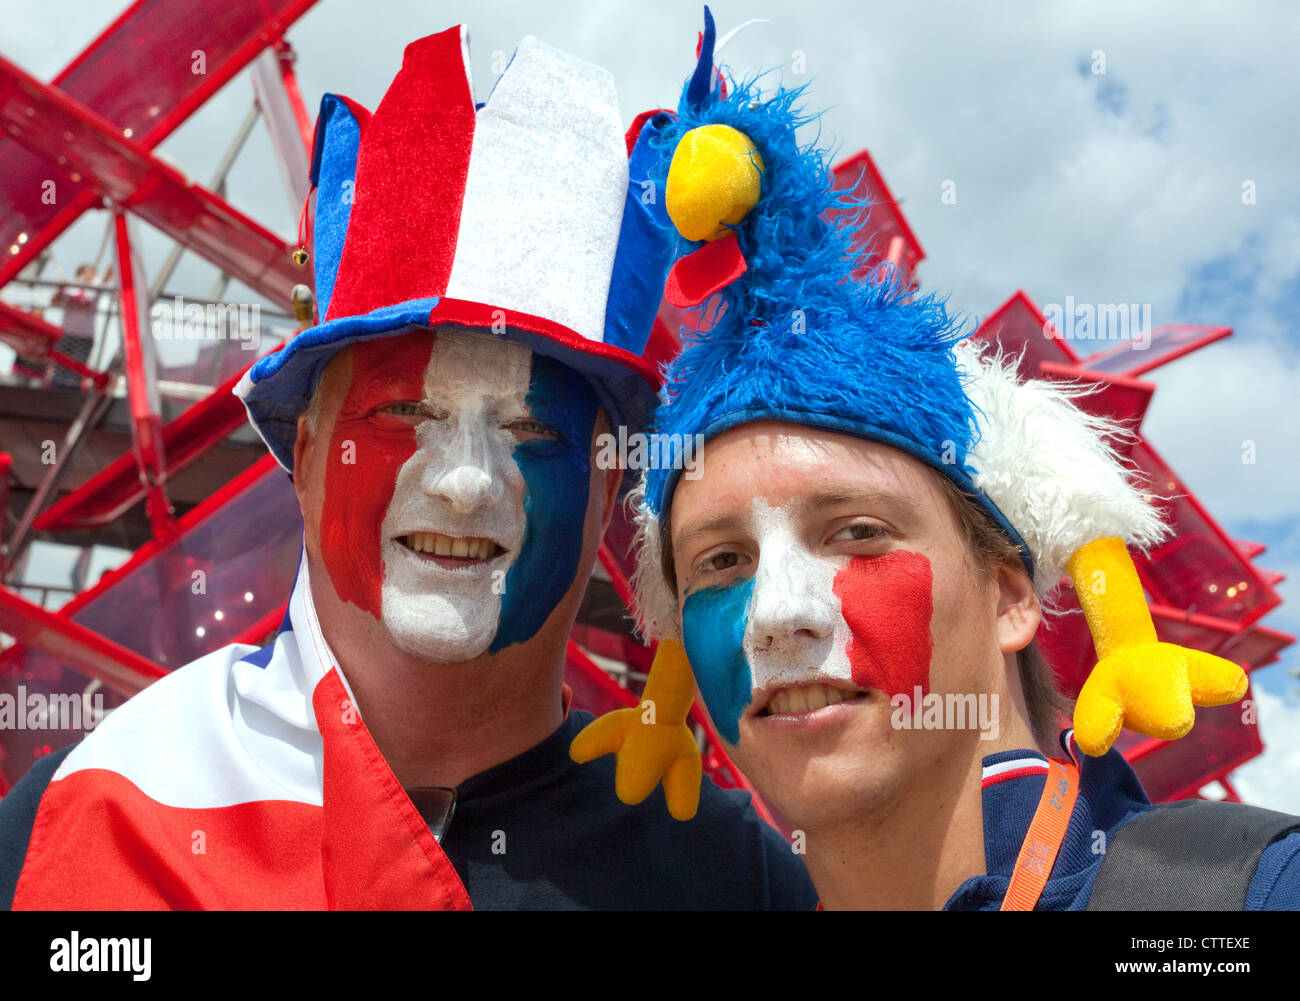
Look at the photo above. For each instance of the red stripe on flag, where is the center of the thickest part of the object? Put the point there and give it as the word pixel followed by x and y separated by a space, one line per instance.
pixel 99 843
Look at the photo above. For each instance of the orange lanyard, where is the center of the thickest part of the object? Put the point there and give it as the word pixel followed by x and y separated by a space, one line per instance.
pixel 1046 832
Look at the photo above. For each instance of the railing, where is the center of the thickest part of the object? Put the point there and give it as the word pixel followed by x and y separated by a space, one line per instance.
pixel 198 343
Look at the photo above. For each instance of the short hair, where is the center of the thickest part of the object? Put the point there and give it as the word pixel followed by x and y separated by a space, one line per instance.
pixel 312 413
pixel 989 548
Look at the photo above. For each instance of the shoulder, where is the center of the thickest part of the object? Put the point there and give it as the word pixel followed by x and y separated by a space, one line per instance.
pixel 18 811
pixel 1199 855
pixel 727 856
pixel 222 729
pixel 164 724
pixel 729 816
pixel 597 852
pixel 1276 886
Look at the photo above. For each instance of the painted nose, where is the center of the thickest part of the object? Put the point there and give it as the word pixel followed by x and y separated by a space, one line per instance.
pixel 789 607
pixel 467 477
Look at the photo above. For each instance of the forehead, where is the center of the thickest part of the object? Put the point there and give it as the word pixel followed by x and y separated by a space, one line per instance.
pixel 792 466
pixel 441 363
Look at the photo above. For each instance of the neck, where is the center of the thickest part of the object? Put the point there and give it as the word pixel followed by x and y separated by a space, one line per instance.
pixel 439 724
pixel 912 850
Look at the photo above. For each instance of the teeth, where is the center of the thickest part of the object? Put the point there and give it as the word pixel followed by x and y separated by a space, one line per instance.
pixel 446 545
pixel 805 699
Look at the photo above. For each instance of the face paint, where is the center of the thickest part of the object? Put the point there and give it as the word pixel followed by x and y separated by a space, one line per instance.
pixel 887 602
pixel 558 476
pixel 804 618
pixel 439 436
pixel 461 481
pixel 713 630
pixel 364 456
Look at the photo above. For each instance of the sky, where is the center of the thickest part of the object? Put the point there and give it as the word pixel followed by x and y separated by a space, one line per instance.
pixel 1109 151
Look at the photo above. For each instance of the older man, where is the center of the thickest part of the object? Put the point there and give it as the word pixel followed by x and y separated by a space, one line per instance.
pixel 486 279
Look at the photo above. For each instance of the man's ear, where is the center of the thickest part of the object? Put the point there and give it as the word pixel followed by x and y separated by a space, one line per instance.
pixel 1019 610
pixel 613 479
pixel 303 447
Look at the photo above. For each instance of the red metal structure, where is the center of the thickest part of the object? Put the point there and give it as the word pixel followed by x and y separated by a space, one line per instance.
pixel 220 518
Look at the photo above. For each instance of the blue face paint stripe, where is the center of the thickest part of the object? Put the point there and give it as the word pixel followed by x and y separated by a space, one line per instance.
pixel 713 631
pixel 557 476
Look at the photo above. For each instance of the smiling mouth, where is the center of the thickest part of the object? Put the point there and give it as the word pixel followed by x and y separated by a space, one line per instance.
pixel 457 550
pixel 800 699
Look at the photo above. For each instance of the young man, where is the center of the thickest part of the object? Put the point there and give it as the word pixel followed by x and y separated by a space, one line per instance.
pixel 403 741
pixel 857 569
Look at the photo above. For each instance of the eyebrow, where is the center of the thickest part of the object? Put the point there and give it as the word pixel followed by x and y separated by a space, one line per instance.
pixel 871 495
pixel 713 523
pixel 724 520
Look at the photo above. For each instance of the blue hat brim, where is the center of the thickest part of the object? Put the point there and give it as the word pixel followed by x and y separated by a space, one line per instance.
pixel 277 389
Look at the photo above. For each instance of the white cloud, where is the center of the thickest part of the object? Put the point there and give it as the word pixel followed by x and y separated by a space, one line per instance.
pixel 1273 779
pixel 1231 401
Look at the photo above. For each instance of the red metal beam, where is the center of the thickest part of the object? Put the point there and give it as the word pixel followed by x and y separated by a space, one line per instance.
pixel 146 421
pixel 31 335
pixel 1118 397
pixel 616 575
pixel 286 57
pixel 187 523
pixel 25 332
pixel 1167 343
pixel 117 488
pixel 75 645
pixel 123 170
pixel 139 74
pixel 859 178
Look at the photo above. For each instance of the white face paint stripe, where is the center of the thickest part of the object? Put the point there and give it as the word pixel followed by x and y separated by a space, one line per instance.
pixel 796 633
pixel 461 481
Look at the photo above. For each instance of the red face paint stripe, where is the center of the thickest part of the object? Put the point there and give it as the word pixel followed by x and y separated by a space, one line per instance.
pixel 887 603
pixel 365 455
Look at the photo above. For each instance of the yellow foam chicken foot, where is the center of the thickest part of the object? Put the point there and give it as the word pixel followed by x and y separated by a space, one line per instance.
pixel 713 181
pixel 1139 682
pixel 652 741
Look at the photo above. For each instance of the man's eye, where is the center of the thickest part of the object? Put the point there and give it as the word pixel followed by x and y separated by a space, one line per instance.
pixel 719 562
pixel 535 427
pixel 860 531
pixel 403 408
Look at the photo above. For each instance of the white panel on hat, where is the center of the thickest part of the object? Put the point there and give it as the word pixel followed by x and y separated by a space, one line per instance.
pixel 544 197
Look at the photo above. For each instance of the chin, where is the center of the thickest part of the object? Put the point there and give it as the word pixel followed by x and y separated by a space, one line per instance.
pixel 819 775
pixel 442 630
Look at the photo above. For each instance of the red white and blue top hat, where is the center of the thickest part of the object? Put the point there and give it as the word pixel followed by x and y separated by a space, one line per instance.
pixel 527 216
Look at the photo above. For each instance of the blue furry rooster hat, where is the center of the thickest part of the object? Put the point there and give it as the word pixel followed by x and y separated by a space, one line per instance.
pixel 781 306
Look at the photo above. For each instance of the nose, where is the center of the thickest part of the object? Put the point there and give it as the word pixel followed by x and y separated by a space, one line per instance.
pixel 465 471
pixel 791 607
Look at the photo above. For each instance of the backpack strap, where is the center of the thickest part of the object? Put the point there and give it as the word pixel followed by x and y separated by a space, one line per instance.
pixel 1192 855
